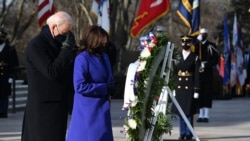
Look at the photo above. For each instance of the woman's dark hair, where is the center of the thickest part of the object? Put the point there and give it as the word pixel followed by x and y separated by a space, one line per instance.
pixel 93 37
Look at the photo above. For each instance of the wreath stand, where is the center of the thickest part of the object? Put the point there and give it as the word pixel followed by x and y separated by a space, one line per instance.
pixel 161 105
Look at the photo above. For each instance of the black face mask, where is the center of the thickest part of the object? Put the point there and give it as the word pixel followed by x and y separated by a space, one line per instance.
pixel 186 47
pixel 60 38
pixel 99 49
pixel 203 38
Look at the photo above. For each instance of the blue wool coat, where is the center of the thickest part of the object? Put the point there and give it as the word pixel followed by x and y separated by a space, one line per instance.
pixel 91 120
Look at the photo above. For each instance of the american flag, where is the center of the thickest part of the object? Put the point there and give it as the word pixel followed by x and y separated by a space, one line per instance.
pixel 45 9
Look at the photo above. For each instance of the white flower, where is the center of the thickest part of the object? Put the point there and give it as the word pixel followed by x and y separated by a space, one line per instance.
pixel 145 53
pixel 132 123
pixel 141 66
pixel 151 44
pixel 134 102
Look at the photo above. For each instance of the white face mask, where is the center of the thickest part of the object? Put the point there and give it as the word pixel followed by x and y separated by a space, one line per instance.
pixel 199 37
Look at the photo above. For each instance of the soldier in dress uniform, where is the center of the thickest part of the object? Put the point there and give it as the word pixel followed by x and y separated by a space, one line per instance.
pixel 187 91
pixel 208 54
pixel 8 62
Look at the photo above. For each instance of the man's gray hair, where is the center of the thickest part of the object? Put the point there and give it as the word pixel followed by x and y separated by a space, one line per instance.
pixel 59 18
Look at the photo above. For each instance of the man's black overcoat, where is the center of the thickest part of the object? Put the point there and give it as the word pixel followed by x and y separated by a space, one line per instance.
pixel 208 53
pixel 45 117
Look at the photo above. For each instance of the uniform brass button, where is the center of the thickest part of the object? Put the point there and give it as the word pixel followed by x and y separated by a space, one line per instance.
pixel 186 87
pixel 179 79
pixel 179 87
pixel 186 79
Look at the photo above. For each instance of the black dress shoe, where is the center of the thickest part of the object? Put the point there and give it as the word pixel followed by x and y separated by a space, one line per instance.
pixel 200 120
pixel 205 120
pixel 181 138
pixel 189 138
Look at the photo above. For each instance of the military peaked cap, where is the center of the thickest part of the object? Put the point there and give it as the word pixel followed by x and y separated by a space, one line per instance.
pixel 186 38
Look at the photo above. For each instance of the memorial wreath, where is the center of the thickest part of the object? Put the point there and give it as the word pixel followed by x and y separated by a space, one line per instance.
pixel 147 90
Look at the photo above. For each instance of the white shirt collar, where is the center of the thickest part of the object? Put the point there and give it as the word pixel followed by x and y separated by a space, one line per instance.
pixel 185 53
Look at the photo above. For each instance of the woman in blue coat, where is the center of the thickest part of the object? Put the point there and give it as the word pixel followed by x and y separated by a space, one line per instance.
pixel 93 81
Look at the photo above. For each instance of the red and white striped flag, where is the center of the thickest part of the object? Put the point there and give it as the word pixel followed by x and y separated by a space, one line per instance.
pixel 100 10
pixel 45 9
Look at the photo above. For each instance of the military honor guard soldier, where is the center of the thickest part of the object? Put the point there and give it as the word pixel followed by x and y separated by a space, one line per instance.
pixel 8 62
pixel 188 86
pixel 208 54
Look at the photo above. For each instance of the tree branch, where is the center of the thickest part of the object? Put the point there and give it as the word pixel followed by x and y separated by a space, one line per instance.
pixel 86 13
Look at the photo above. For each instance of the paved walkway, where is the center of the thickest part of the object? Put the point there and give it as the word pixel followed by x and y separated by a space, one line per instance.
pixel 229 121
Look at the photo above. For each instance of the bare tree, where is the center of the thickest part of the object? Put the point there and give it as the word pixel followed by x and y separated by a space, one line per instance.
pixel 17 17
pixel 5 10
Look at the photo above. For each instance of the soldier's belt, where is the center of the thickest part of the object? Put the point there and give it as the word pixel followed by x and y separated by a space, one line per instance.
pixel 184 73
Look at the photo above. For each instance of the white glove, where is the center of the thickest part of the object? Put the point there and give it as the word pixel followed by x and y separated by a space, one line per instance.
pixel 202 64
pixel 10 80
pixel 174 94
pixel 196 95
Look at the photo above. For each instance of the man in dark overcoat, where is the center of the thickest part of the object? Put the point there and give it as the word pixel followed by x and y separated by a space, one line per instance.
pixel 209 56
pixel 48 58
pixel 8 62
